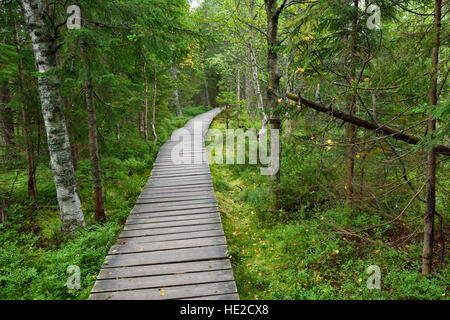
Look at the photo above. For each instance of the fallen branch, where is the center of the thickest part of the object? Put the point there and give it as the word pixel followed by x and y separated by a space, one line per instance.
pixel 384 129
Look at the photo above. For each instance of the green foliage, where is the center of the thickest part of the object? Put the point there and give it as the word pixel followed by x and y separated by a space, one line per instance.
pixel 35 254
pixel 309 249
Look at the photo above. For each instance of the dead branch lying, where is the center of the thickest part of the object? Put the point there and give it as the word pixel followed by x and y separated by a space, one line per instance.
pixel 381 128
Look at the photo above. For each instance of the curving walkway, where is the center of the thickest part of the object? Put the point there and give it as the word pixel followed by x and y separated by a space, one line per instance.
pixel 173 245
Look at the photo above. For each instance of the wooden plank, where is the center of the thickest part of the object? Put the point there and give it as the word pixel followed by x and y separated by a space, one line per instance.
pixel 164 269
pixel 166 245
pixel 170 224
pixel 131 221
pixel 180 292
pixel 231 296
pixel 174 203
pixel 175 236
pixel 160 231
pixel 178 198
pixel 168 256
pixel 142 215
pixel 176 193
pixel 162 281
pixel 147 208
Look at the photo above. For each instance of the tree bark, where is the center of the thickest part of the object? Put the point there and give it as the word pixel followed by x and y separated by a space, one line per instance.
pixel 238 96
pixel 428 232
pixel 176 94
pixel 155 89
pixel 208 101
pixel 254 67
pixel 351 131
pixel 6 120
pixel 31 166
pixel 52 110
pixel 94 155
pixel 145 105
pixel 273 85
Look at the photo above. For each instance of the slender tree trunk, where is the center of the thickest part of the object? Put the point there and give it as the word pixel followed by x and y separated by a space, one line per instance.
pixel 52 110
pixel 74 152
pixel 3 208
pixel 155 89
pixel 428 234
pixel 32 186
pixel 145 106
pixel 248 94
pixel 94 155
pixel 238 96
pixel 351 131
pixel 140 124
pixel 6 119
pixel 273 85
pixel 208 101
pixel 32 189
pixel 176 94
pixel 254 67
pixel 118 131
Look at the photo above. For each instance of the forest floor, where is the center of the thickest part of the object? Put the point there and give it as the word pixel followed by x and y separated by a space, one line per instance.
pixel 35 254
pixel 298 254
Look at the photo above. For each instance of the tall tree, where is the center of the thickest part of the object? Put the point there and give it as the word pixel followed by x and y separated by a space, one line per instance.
pixel 45 49
pixel 428 233
pixel 273 12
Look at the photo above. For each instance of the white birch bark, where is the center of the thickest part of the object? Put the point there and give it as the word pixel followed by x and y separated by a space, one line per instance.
pixel 53 113
pixel 254 67
pixel 176 94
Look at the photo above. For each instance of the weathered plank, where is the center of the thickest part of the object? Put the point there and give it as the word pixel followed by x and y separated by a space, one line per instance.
pixel 208 215
pixel 175 236
pixel 164 269
pixel 163 281
pixel 160 231
pixel 121 248
pixel 166 293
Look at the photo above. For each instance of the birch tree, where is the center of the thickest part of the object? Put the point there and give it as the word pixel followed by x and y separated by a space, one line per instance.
pixel 44 49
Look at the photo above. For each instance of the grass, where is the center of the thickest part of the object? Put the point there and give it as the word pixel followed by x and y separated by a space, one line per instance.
pixel 35 254
pixel 304 251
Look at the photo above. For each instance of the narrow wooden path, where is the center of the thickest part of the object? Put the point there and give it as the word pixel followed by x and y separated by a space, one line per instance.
pixel 173 245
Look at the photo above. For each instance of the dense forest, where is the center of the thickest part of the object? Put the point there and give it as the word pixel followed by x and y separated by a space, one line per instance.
pixel 357 91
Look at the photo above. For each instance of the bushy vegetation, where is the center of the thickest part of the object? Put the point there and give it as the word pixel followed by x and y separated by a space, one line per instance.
pixel 35 254
pixel 309 249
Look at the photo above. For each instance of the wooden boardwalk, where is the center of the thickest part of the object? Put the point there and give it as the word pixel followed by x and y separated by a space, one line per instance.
pixel 173 245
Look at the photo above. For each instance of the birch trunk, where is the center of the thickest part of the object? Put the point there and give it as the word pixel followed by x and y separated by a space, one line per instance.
pixel 254 67
pixel 238 95
pixel 94 157
pixel 52 110
pixel 145 105
pixel 155 88
pixel 208 101
pixel 247 94
pixel 428 232
pixel 176 94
